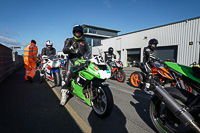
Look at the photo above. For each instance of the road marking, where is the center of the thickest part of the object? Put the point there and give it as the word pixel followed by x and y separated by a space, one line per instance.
pixel 85 128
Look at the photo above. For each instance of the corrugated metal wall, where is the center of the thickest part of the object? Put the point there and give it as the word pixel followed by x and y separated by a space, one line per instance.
pixel 178 34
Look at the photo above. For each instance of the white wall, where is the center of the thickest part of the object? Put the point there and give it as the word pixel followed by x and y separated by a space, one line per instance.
pixel 96 49
pixel 179 34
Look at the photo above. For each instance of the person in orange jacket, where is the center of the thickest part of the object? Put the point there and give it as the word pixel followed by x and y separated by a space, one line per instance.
pixel 30 58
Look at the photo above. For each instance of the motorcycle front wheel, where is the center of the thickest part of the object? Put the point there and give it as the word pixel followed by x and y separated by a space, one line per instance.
pixel 57 78
pixel 121 76
pixel 163 119
pixel 103 103
pixel 136 79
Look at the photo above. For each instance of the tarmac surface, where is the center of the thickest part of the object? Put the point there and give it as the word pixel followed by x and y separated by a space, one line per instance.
pixel 34 108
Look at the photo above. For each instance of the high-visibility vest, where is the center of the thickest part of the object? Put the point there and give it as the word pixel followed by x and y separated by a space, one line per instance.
pixel 30 52
pixel 195 65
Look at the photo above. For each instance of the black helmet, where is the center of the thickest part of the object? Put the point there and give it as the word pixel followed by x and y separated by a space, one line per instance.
pixel 33 41
pixel 110 50
pixel 77 28
pixel 153 41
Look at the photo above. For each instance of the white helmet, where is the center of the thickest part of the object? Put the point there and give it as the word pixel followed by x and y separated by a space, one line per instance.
pixel 49 43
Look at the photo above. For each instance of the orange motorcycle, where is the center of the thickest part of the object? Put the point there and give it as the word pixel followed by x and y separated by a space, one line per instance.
pixel 160 74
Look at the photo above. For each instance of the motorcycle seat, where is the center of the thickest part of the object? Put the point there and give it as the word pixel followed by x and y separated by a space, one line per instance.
pixel 196 72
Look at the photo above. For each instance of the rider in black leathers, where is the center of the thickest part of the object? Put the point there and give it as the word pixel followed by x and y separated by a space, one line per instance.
pixel 76 42
pixel 48 50
pixel 148 59
pixel 109 56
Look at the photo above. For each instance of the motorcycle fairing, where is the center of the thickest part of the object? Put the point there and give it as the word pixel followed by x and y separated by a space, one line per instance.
pixel 185 70
pixel 78 90
pixel 54 70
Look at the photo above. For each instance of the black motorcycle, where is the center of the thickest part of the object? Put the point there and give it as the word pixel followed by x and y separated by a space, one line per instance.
pixel 175 110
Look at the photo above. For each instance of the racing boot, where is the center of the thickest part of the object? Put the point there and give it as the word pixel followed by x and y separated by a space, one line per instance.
pixel 64 96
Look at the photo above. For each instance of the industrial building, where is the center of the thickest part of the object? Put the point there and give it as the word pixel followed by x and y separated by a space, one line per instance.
pixel 179 40
pixel 94 35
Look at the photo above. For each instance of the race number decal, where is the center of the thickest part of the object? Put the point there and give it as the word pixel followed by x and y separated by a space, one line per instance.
pixel 99 59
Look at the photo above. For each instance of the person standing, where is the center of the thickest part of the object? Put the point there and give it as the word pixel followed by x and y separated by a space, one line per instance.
pixel 30 58
pixel 194 64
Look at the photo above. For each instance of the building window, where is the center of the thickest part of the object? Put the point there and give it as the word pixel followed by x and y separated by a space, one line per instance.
pixel 89 41
pixel 90 30
pixel 96 42
pixel 85 30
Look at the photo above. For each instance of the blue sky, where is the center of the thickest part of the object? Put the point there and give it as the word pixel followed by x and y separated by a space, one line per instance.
pixel 42 20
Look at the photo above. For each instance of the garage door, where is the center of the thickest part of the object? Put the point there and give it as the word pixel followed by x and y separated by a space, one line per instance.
pixel 133 54
pixel 168 52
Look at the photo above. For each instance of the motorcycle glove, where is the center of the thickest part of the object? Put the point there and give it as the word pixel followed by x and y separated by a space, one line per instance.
pixel 74 46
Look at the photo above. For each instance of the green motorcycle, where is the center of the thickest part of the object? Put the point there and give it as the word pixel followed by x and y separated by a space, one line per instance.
pixel 88 84
pixel 176 110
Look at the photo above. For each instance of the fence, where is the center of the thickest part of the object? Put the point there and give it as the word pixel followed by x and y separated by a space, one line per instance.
pixel 9 61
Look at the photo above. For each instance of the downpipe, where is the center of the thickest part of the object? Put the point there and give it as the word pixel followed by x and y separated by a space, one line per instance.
pixel 180 112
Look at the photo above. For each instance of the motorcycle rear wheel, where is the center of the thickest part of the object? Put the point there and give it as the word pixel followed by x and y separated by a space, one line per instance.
pixel 161 116
pixel 103 104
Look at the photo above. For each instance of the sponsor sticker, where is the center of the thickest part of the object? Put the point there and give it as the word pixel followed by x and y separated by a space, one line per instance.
pixel 108 71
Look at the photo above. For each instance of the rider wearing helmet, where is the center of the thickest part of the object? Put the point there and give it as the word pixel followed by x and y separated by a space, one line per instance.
pixel 48 50
pixel 148 59
pixel 78 44
pixel 110 55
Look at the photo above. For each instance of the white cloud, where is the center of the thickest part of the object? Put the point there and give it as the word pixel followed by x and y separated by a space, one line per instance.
pixel 107 3
pixel 7 40
pixel 5 31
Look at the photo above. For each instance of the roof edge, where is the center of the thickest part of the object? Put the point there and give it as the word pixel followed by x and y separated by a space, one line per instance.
pixel 100 28
pixel 160 26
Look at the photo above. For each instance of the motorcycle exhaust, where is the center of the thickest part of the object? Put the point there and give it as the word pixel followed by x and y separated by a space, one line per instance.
pixel 180 112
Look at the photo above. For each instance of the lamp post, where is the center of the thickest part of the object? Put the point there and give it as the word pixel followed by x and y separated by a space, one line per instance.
pixel 15 47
